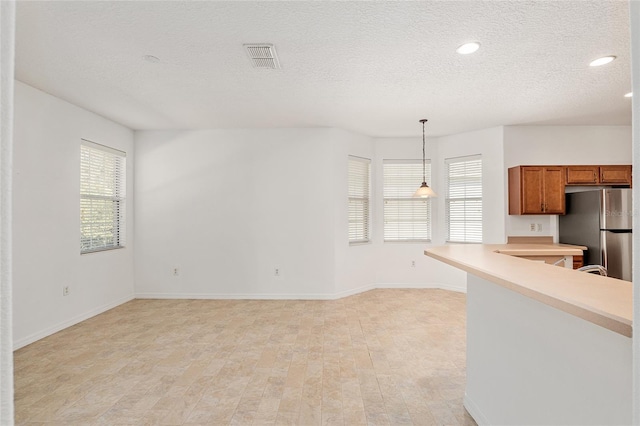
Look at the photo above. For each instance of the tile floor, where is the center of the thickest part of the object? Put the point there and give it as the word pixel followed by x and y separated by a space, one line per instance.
pixel 380 357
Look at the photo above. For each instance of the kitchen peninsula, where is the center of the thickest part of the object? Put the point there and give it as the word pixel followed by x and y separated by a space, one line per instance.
pixel 545 344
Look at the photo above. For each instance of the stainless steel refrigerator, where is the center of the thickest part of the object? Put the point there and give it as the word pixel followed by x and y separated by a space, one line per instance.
pixel 601 220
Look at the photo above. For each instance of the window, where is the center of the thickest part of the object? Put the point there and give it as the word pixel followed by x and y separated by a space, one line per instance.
pixel 359 199
pixel 464 199
pixel 102 197
pixel 405 218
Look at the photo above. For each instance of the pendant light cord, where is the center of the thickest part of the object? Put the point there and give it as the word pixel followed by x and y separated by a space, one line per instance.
pixel 424 167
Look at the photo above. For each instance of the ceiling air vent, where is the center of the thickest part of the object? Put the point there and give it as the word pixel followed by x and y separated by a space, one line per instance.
pixel 262 55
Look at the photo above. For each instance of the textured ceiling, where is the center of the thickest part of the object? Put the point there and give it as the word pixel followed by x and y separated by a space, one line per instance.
pixel 371 67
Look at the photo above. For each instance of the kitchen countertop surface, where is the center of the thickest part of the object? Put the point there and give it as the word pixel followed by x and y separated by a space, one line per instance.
pixel 540 249
pixel 601 300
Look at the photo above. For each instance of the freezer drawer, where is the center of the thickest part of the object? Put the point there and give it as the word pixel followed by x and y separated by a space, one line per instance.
pixel 616 253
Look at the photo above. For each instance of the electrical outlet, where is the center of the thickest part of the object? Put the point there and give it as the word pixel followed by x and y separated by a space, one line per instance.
pixel 539 227
pixel 276 272
pixel 65 290
pixel 532 227
pixel 413 263
pixel 175 271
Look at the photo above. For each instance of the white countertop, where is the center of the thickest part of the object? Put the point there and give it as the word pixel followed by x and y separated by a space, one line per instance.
pixel 601 300
pixel 540 249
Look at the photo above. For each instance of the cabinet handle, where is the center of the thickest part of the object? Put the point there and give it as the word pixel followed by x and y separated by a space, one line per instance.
pixel 595 178
pixel 545 207
pixel 541 207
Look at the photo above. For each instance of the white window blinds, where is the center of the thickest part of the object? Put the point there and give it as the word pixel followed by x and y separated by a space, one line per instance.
pixel 359 170
pixel 405 218
pixel 464 199
pixel 102 197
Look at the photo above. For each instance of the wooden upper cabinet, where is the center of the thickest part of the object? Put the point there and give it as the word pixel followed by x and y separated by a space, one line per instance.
pixel 540 189
pixel 583 175
pixel 554 190
pixel 598 175
pixel 536 190
pixel 615 175
pixel 531 192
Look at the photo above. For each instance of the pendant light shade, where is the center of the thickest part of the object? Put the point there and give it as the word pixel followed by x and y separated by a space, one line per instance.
pixel 424 191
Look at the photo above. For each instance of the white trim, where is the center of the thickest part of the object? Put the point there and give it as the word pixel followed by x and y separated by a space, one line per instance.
pixel 7 83
pixel 634 13
pixel 258 296
pixel 68 323
pixel 474 411
pixel 406 161
pixel 293 296
pixel 353 291
pixel 103 148
pixel 235 296
pixel 462 158
pixel 361 159
pixel 440 286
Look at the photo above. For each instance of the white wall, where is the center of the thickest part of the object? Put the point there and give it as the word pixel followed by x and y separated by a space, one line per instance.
pixel 393 264
pixel 355 265
pixel 635 67
pixel 394 259
pixel 46 218
pixel 532 364
pixel 232 205
pixel 229 206
pixel 7 33
pixel 562 145
pixel 489 144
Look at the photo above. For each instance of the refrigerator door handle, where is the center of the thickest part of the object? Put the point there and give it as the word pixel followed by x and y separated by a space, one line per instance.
pixel 604 254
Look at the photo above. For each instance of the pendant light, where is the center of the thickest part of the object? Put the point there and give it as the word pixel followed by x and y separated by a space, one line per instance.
pixel 424 191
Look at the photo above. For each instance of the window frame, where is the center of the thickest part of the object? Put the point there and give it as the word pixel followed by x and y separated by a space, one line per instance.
pixel 355 195
pixel 118 197
pixel 413 183
pixel 449 198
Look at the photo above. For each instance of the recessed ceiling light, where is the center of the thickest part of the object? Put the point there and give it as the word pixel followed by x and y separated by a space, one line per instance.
pixel 628 95
pixel 467 48
pixel 151 58
pixel 601 61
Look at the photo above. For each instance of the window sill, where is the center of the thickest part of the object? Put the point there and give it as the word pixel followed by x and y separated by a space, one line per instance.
pixel 462 242
pixel 101 250
pixel 359 243
pixel 407 241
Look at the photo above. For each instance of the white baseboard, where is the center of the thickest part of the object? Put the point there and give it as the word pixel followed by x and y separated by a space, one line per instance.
pixel 441 286
pixel 474 411
pixel 290 296
pixel 235 296
pixel 353 291
pixel 20 343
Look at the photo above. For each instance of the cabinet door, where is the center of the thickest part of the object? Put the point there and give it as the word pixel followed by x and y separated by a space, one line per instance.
pixel 578 261
pixel 582 175
pixel 553 190
pixel 532 187
pixel 615 175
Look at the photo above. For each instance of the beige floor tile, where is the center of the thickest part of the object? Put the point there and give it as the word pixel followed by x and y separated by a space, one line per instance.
pixel 310 412
pixel 376 358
